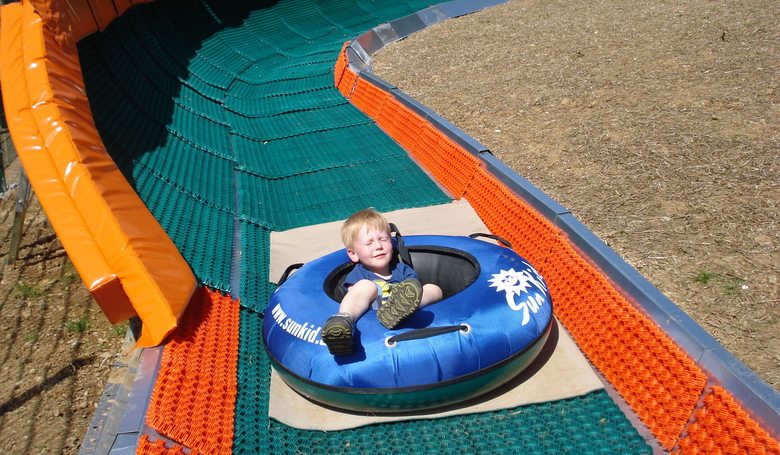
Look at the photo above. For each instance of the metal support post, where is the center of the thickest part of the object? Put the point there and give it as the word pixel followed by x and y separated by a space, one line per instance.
pixel 23 193
pixel 3 186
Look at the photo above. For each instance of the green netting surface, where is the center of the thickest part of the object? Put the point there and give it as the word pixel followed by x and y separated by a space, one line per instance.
pixel 289 124
pixel 197 229
pixel 246 92
pixel 219 111
pixel 264 106
pixel 185 30
pixel 260 82
pixel 318 197
pixel 291 102
pixel 308 23
pixel 151 87
pixel 350 17
pixel 588 424
pixel 238 40
pixel 149 32
pixel 143 121
pixel 255 266
pixel 181 167
pixel 306 153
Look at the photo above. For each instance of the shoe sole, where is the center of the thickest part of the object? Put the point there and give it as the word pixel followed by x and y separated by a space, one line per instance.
pixel 403 301
pixel 338 338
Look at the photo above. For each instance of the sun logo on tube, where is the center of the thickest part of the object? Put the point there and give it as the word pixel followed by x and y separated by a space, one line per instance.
pixel 516 284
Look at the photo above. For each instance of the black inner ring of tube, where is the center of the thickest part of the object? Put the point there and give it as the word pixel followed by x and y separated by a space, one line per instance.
pixel 451 269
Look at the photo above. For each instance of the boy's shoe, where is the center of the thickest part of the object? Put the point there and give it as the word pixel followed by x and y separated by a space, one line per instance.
pixel 337 334
pixel 404 300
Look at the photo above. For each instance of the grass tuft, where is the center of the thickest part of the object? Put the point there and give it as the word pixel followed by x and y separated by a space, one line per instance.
pixel 121 329
pixel 28 291
pixel 79 325
pixel 703 277
pixel 732 285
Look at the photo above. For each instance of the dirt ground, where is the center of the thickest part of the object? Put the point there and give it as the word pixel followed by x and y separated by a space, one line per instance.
pixel 57 349
pixel 656 123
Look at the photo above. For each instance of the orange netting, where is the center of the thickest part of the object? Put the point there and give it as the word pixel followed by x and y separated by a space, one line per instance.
pixel 655 377
pixel 344 79
pixel 193 401
pixel 720 427
pixel 341 64
pixel 368 98
pixel 157 448
pixel 658 380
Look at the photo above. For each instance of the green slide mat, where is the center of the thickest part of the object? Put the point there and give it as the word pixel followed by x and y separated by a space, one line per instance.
pixel 236 120
pixel 587 424
pixel 223 117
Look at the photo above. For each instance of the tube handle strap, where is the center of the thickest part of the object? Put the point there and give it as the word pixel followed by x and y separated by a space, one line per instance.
pixel 403 252
pixel 427 332
pixel 288 271
pixel 494 237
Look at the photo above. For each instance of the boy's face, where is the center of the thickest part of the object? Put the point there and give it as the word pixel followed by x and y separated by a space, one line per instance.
pixel 374 249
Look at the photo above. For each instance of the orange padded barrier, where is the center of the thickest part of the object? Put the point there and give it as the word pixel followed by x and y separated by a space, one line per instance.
pixel 194 398
pixel 720 427
pixel 76 19
pixel 122 5
pixel 67 24
pixel 121 252
pixel 658 380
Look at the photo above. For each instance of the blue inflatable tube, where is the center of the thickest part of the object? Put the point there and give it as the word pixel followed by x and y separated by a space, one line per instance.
pixel 493 321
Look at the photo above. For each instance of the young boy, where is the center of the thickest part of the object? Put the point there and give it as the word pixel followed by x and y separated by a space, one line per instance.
pixel 378 282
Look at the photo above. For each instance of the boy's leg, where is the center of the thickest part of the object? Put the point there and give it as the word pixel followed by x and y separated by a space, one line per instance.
pixel 339 329
pixel 431 294
pixel 404 300
pixel 359 298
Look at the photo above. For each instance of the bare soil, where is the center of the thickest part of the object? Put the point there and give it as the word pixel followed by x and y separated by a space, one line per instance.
pixel 57 350
pixel 656 123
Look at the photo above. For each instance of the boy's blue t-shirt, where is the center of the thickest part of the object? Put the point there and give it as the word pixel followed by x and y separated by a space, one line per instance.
pixel 400 272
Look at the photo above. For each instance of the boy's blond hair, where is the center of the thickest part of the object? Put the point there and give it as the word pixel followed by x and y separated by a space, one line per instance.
pixel 369 218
